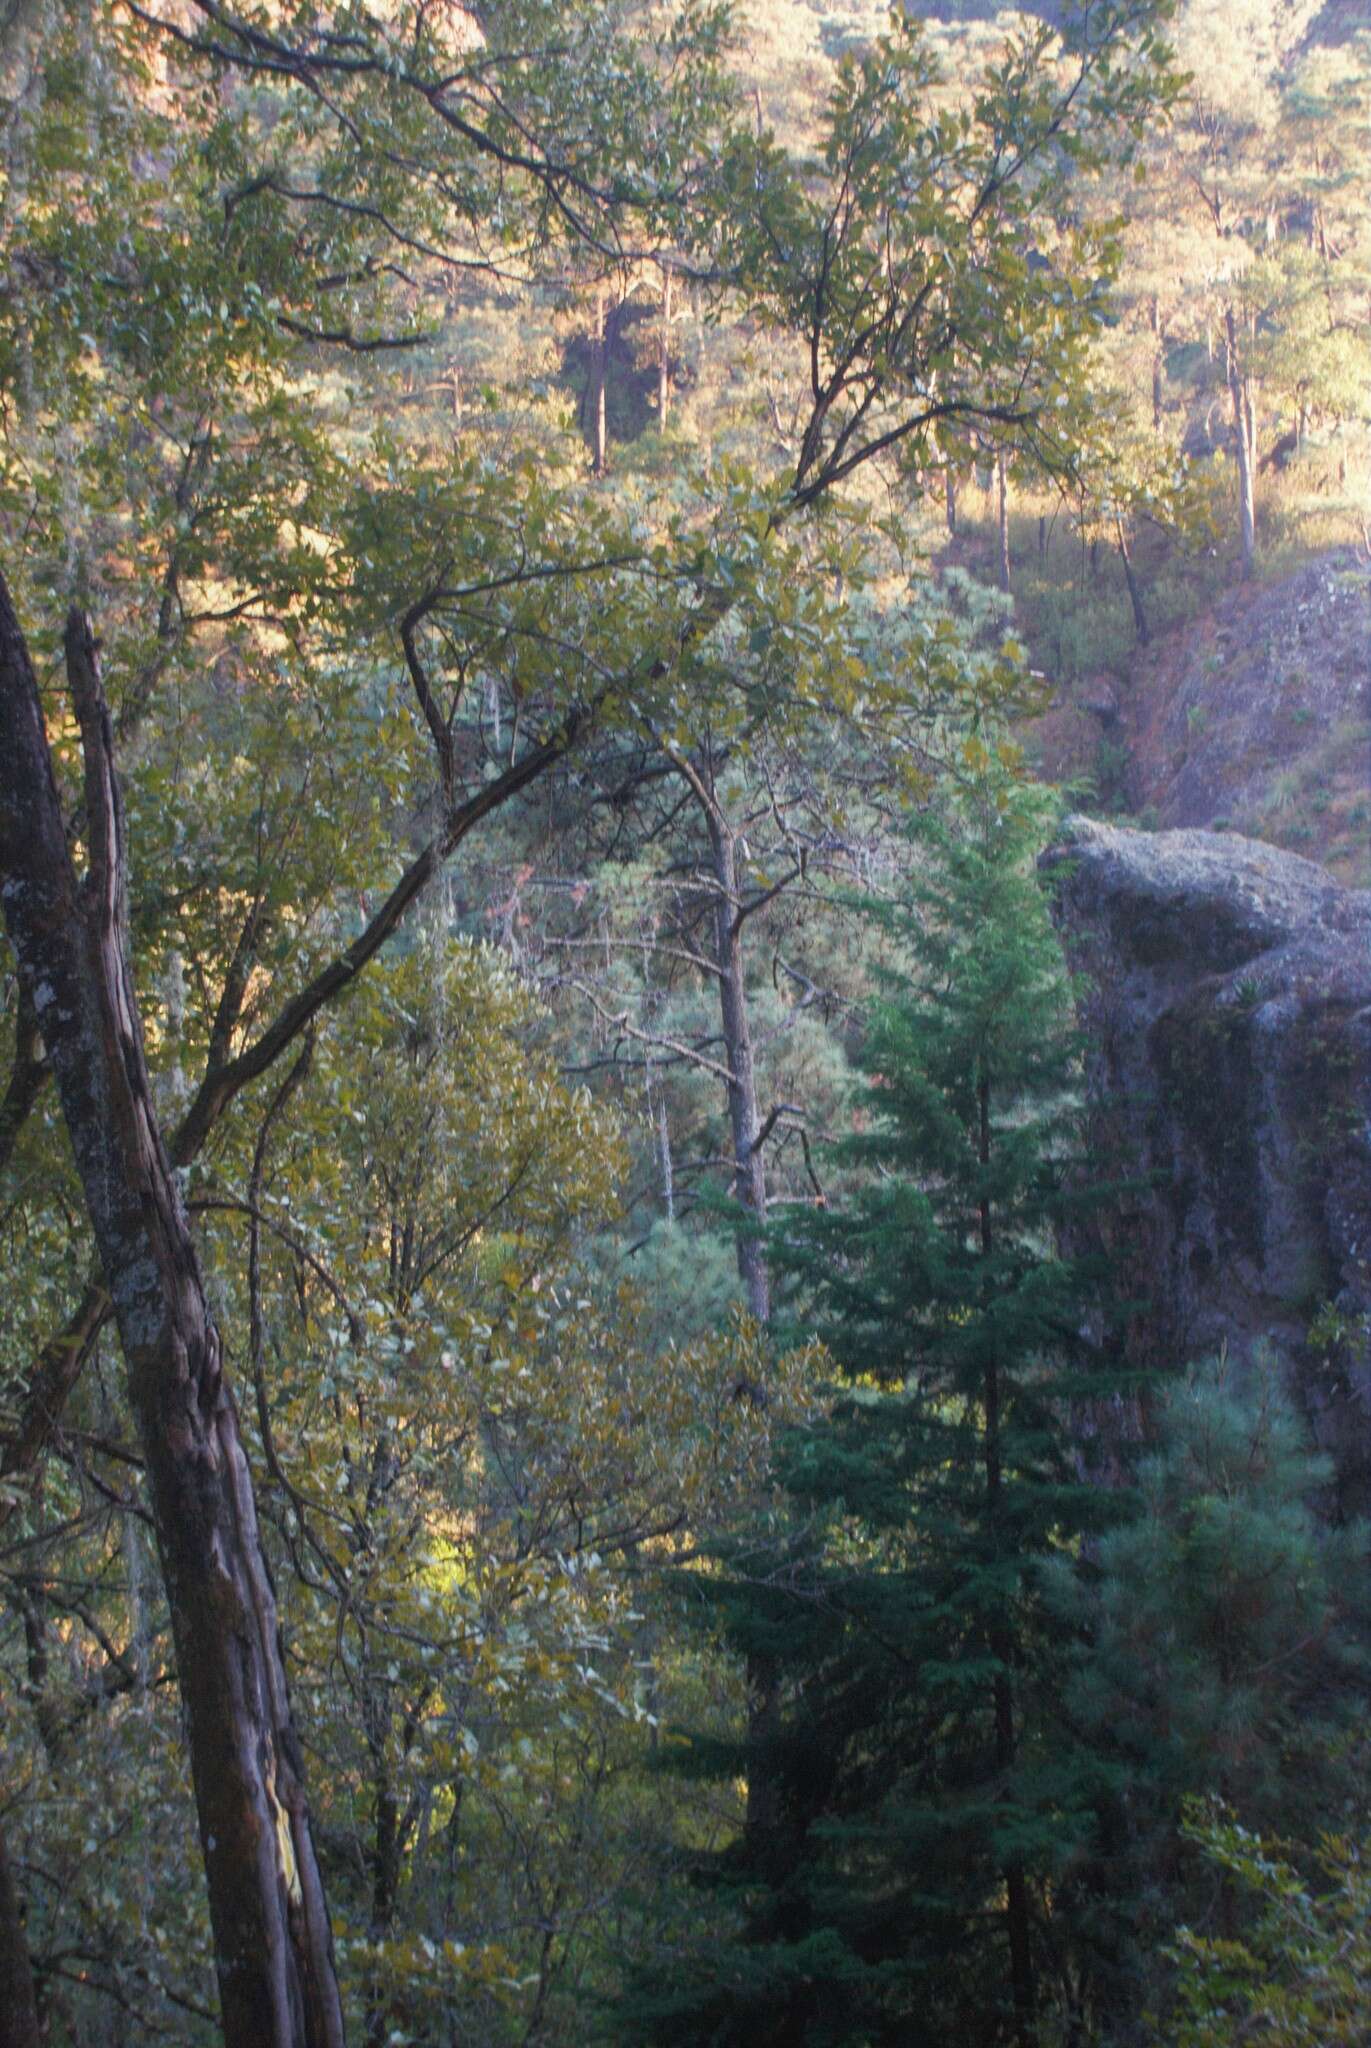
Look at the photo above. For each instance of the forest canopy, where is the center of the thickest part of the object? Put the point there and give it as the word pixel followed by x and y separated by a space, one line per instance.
pixel 571 1468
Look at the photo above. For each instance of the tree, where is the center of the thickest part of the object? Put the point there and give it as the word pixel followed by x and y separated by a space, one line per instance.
pixel 272 1933
pixel 1301 1971
pixel 753 807
pixel 1265 145
pixel 445 559
pixel 1316 353
pixel 1132 480
pixel 920 1794
pixel 226 516
pixel 1223 1661
pixel 467 1446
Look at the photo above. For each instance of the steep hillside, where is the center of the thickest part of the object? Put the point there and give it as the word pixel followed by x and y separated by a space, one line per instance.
pixel 1258 717
pixel 1254 717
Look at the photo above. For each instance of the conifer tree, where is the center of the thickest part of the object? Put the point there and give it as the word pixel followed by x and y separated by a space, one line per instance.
pixel 921 1789
pixel 1225 1630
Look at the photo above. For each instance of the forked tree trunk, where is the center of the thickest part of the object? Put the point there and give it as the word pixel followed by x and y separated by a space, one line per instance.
pixel 273 1948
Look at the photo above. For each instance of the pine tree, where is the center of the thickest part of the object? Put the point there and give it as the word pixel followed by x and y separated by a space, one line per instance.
pixel 921 1793
pixel 1226 1627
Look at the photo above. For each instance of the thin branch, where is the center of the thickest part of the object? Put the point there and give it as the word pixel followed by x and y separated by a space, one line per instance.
pixel 619 1021
pixel 770 1121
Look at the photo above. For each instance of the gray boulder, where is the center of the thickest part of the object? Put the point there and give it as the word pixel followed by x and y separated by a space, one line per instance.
pixel 1227 997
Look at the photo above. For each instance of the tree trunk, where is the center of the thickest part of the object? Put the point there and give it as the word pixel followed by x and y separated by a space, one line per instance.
pixel 762 1815
pixel 1241 392
pixel 1022 1989
pixel 1156 368
pixel 1134 589
pixel 664 1157
pixel 18 2005
pixel 749 1187
pixel 749 1174
pixel 599 441
pixel 1002 491
pixel 664 353
pixel 386 1849
pixel 273 1947
pixel 950 499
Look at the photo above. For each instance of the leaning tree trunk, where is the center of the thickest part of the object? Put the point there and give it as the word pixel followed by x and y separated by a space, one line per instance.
pixel 1140 625
pixel 273 1948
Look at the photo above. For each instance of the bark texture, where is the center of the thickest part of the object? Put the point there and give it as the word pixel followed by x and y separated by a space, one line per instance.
pixel 273 1945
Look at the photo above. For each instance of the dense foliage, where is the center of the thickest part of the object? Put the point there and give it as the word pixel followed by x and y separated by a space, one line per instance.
pixel 560 1464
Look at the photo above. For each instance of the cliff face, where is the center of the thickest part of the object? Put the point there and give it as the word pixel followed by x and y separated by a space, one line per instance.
pixel 1228 1001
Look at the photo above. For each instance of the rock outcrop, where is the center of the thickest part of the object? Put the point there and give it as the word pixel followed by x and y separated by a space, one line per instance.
pixel 1228 1000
